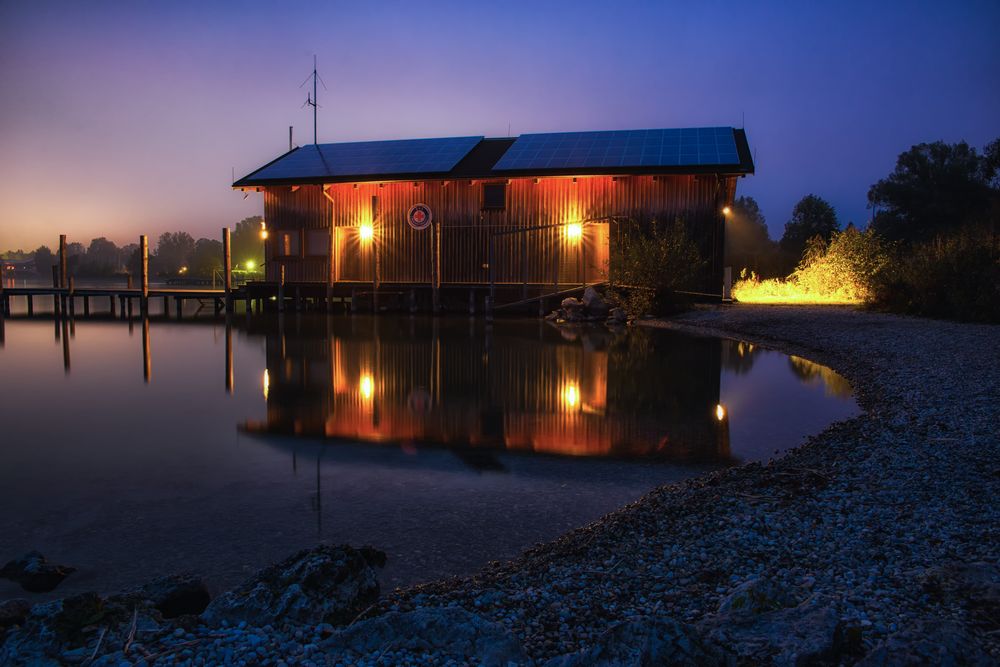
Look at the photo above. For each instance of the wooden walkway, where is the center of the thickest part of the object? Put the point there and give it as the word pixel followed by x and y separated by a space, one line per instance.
pixel 124 300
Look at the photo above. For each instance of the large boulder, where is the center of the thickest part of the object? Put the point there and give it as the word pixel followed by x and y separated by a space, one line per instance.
pixel 930 642
pixel 444 632
pixel 325 584
pixel 645 641
pixel 35 573
pixel 174 595
pixel 595 305
pixel 809 633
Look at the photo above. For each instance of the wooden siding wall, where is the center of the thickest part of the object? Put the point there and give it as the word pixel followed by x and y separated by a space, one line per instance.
pixel 536 257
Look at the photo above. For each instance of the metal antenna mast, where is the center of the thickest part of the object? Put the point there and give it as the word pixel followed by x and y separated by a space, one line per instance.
pixel 313 100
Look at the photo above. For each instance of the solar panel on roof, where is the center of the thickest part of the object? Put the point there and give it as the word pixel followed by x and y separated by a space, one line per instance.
pixel 622 148
pixel 367 158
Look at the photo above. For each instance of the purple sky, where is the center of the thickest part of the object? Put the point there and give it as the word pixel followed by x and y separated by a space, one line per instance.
pixel 129 117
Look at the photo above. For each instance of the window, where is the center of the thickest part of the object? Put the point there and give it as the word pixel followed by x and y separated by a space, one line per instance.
pixel 495 196
pixel 288 243
pixel 317 243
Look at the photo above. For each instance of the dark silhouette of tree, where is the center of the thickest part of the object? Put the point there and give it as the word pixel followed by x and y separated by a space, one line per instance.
pixel 935 188
pixel 812 216
pixel 44 261
pixel 102 258
pixel 206 258
pixel 247 246
pixel 748 245
pixel 173 251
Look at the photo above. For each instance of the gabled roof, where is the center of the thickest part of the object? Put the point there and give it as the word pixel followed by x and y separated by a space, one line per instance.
pixel 720 150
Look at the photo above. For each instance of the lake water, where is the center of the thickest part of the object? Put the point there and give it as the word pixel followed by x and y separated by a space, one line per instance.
pixel 135 450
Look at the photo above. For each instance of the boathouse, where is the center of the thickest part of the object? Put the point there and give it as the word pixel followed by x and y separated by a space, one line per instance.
pixel 519 217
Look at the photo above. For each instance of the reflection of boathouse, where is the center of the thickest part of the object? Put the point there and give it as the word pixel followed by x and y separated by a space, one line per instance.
pixel 457 384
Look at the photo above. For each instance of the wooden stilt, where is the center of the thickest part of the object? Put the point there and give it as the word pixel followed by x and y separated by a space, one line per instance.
pixel 144 274
pixel 227 267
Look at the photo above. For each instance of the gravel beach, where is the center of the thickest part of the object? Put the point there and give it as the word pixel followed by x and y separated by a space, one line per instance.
pixel 877 538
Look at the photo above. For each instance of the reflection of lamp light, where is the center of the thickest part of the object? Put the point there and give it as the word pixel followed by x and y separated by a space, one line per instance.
pixel 366 386
pixel 720 412
pixel 267 383
pixel 366 232
pixel 571 396
pixel 574 231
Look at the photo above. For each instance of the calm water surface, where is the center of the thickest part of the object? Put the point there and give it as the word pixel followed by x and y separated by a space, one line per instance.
pixel 131 451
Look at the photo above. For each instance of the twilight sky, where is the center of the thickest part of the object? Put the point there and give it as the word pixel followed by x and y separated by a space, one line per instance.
pixel 121 118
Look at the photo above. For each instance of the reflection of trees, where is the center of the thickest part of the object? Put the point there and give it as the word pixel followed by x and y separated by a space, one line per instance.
pixel 807 371
pixel 738 356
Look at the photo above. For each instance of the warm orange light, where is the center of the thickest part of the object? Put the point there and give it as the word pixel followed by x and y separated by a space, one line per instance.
pixel 366 387
pixel 720 412
pixel 267 383
pixel 574 231
pixel 263 230
pixel 726 210
pixel 366 232
pixel 571 396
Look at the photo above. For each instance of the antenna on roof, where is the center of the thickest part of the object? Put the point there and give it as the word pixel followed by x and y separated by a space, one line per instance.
pixel 312 100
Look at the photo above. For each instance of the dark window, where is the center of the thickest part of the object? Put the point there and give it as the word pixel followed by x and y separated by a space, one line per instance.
pixel 288 244
pixel 495 196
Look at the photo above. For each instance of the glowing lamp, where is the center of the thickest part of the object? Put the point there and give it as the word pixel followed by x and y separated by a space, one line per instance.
pixel 720 412
pixel 726 211
pixel 263 230
pixel 366 387
pixel 574 231
pixel 571 396
pixel 251 266
pixel 366 232
pixel 267 384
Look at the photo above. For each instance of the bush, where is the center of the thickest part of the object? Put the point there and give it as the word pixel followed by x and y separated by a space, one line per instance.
pixel 844 271
pixel 650 263
pixel 954 277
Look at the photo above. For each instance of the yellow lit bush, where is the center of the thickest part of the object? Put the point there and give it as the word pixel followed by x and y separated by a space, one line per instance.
pixel 841 272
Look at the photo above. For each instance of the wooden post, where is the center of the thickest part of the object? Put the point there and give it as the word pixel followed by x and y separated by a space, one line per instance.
pixel 281 289
pixel 147 363
pixel 65 346
pixel 31 305
pixel 178 306
pixel 472 302
pixel 583 253
pixel 331 269
pixel 435 269
pixel 166 305
pixel 227 267
pixel 111 305
pixel 555 255
pixel 144 274
pixel 62 261
pixel 55 288
pixel 229 354
pixel 72 297
pixel 524 265
pixel 492 273
pixel 86 306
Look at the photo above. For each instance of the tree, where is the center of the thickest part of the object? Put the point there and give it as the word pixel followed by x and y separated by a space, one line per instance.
pixel 173 251
pixel 247 246
pixel 935 188
pixel 102 258
pixel 812 216
pixel 748 245
pixel 44 261
pixel 206 258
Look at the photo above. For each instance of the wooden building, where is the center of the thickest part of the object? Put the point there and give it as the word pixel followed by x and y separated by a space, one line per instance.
pixel 528 215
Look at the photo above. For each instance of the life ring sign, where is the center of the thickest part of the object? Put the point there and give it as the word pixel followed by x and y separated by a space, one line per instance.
pixel 420 216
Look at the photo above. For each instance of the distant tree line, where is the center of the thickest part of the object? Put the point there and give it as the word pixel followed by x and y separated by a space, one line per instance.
pixel 174 254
